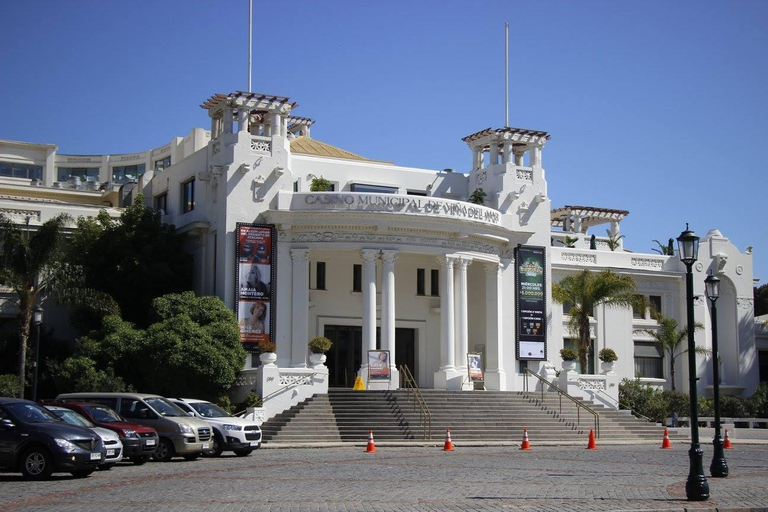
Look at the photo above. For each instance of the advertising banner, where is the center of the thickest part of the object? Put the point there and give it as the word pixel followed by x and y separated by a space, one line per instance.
pixel 255 284
pixel 475 367
pixel 531 310
pixel 378 365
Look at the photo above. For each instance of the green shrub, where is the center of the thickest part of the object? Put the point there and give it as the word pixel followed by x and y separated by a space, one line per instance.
pixel 320 345
pixel 607 355
pixel 225 403
pixel 9 385
pixel 252 400
pixel 677 402
pixel 758 402
pixel 642 399
pixel 706 406
pixel 568 354
pixel 733 407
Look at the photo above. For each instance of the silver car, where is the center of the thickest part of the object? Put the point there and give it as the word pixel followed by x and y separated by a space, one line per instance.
pixel 111 442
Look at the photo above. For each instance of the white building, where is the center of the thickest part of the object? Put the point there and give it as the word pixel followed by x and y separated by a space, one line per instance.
pixel 392 258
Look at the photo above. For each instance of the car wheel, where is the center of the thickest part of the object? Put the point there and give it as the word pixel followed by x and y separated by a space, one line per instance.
pixel 82 473
pixel 36 463
pixel 106 467
pixel 140 459
pixel 243 453
pixel 191 456
pixel 217 446
pixel 164 451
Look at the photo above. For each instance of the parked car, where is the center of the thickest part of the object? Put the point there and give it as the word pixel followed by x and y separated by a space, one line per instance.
pixel 180 434
pixel 36 442
pixel 139 441
pixel 112 444
pixel 230 433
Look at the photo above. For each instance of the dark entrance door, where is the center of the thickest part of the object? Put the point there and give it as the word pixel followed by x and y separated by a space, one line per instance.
pixel 345 357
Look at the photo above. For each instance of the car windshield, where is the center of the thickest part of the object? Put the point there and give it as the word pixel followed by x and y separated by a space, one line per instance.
pixel 209 410
pixel 164 407
pixel 102 414
pixel 72 418
pixel 32 413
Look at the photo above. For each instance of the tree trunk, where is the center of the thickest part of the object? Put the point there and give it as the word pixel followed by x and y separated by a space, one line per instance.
pixel 584 343
pixel 25 316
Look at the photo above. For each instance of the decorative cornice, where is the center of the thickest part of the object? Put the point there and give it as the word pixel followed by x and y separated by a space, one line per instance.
pixel 578 257
pixel 745 303
pixel 647 263
pixel 300 255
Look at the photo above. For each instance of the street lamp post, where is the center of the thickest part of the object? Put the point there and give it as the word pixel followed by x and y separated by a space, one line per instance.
pixel 696 487
pixel 719 467
pixel 37 319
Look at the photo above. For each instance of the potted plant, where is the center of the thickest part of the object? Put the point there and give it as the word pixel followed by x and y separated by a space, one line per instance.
pixel 608 359
pixel 569 357
pixel 267 353
pixel 318 346
pixel 478 196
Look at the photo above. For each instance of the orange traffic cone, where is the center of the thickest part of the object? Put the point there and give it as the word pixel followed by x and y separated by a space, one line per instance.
pixel 448 447
pixel 592 445
pixel 727 441
pixel 665 444
pixel 526 445
pixel 371 448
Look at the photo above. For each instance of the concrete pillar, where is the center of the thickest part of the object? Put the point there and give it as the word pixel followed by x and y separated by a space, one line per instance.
pixel 228 120
pixel 507 156
pixel 477 158
pixel 300 308
pixel 242 120
pixel 388 306
pixel 519 158
pixel 369 306
pixel 495 377
pixel 276 125
pixel 447 376
pixel 462 318
pixel 494 153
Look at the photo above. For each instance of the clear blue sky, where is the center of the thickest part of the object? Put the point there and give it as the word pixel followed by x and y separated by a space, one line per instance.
pixel 656 107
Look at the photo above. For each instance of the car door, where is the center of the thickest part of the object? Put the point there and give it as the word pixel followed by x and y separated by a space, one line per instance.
pixel 11 436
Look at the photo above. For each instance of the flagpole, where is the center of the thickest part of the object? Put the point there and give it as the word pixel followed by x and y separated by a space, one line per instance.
pixel 250 41
pixel 506 74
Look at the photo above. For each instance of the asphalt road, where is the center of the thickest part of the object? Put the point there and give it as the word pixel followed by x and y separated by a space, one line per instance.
pixel 546 478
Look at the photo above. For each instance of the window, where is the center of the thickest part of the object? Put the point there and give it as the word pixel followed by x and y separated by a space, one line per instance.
pixel 434 283
pixel 375 189
pixel 163 163
pixel 420 281
pixel 84 173
pixel 17 170
pixel 320 282
pixel 188 196
pixel 654 302
pixel 357 278
pixel 417 193
pixel 649 360
pixel 125 173
pixel 161 203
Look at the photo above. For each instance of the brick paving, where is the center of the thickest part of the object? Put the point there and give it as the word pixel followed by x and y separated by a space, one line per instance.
pixel 416 478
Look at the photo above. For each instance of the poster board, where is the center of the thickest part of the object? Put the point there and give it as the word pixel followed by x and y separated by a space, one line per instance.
pixel 531 302
pixel 475 367
pixel 378 365
pixel 255 283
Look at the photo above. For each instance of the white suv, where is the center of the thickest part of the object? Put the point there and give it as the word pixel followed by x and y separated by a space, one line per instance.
pixel 229 432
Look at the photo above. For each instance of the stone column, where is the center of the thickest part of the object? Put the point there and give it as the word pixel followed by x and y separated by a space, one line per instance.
pixel 494 153
pixel 276 122
pixel 519 158
pixel 300 308
pixel 495 378
pixel 388 316
pixel 242 119
pixel 445 377
pixel 227 119
pixel 369 307
pixel 462 320
pixel 507 157
pixel 477 158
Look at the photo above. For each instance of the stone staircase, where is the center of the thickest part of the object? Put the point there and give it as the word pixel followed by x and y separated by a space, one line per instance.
pixel 345 415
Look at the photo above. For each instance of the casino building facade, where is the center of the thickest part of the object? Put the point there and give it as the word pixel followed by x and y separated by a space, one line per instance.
pixel 305 239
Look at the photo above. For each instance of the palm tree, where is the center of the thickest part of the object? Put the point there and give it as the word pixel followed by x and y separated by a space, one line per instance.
pixel 665 250
pixel 27 262
pixel 669 339
pixel 586 290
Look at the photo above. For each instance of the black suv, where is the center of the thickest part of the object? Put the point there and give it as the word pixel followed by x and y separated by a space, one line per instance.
pixel 34 441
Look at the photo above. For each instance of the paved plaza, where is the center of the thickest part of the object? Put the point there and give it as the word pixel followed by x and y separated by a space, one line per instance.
pixel 410 478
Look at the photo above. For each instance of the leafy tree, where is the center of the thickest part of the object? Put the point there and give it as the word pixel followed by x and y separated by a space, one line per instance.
pixel 761 300
pixel 192 348
pixel 9 385
pixel 666 250
pixel 586 290
pixel 80 373
pixel 134 259
pixel 670 340
pixel 478 196
pixel 27 266
pixel 319 184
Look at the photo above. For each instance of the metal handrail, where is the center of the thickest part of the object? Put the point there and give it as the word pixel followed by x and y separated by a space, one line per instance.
pixel 562 394
pixel 425 416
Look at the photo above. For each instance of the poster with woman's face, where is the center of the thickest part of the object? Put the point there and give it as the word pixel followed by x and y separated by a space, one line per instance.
pixel 254 320
pixel 475 367
pixel 254 281
pixel 256 244
pixel 378 365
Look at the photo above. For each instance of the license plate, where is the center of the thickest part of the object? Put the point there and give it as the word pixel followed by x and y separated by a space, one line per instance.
pixel 254 443
pixel 206 446
pixel 110 453
pixel 95 456
pixel 150 442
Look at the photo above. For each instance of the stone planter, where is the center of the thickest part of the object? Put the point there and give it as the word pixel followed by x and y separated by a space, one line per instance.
pixel 569 366
pixel 607 368
pixel 268 358
pixel 317 359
